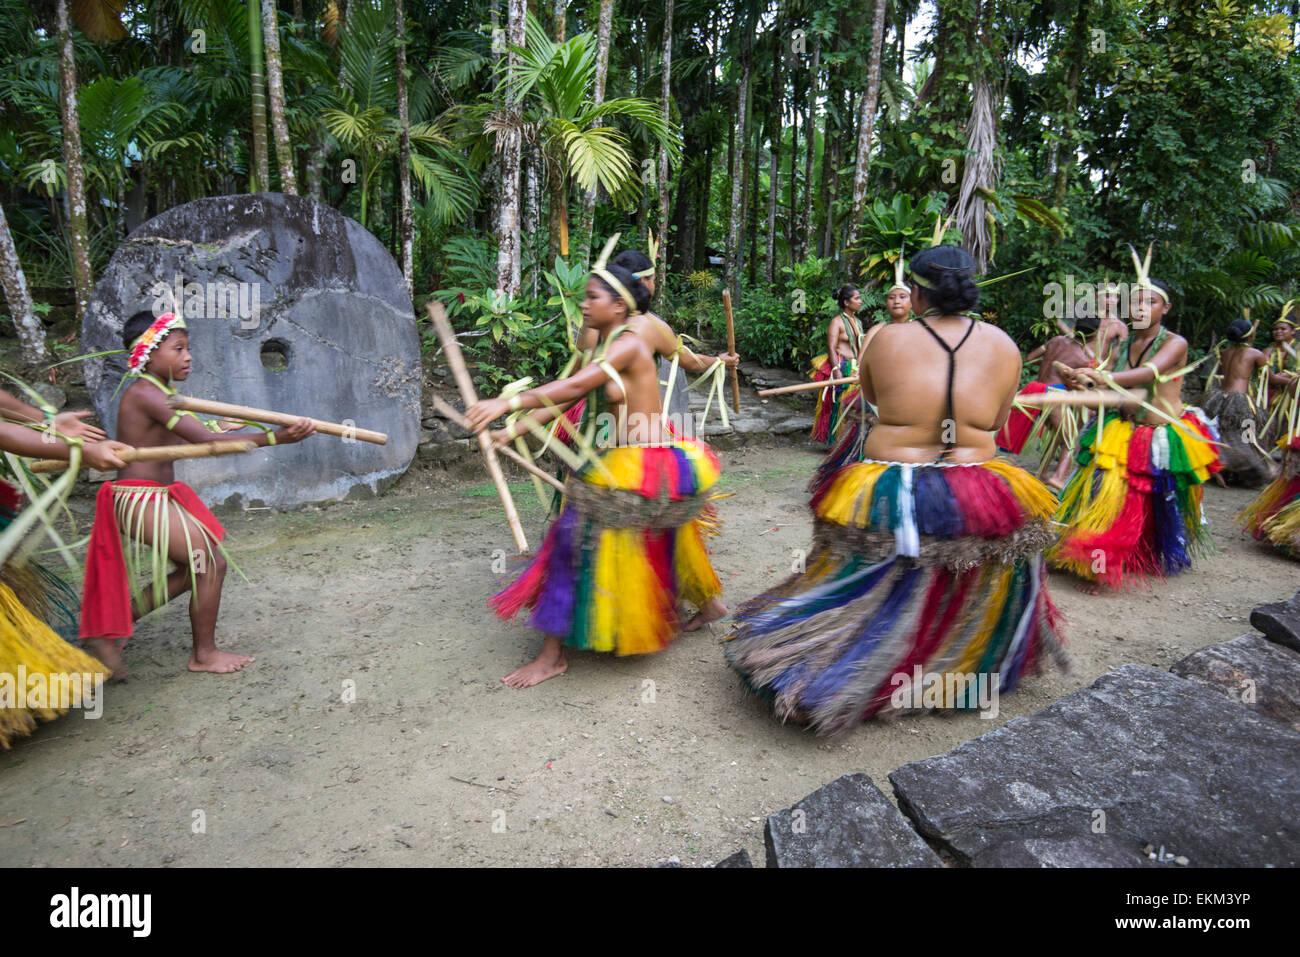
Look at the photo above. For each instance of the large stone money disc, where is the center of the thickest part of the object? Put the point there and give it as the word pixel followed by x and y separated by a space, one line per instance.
pixel 290 306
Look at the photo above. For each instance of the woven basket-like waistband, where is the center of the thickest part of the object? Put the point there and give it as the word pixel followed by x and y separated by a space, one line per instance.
pixel 621 508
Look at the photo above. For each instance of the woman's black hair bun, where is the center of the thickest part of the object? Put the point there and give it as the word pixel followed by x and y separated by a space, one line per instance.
pixel 949 272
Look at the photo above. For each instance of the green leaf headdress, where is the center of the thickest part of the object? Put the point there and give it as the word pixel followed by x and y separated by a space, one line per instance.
pixel 652 250
pixel 1284 318
pixel 600 270
pixel 900 267
pixel 1143 268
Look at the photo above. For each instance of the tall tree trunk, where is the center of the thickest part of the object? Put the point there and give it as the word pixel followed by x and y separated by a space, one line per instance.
pixel 773 158
pixel 866 123
pixel 78 230
pixel 508 237
pixel 259 170
pixel 532 217
pixel 31 333
pixel 1069 115
pixel 604 26
pixel 703 199
pixel 557 18
pixel 810 138
pixel 406 223
pixel 793 218
pixel 751 198
pixel 737 212
pixel 661 262
pixel 275 88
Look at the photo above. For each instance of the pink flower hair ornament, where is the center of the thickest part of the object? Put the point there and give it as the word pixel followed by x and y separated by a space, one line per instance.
pixel 149 340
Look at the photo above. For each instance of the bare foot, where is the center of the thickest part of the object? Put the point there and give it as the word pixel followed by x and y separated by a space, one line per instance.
pixel 710 612
pixel 109 651
pixel 548 664
pixel 218 661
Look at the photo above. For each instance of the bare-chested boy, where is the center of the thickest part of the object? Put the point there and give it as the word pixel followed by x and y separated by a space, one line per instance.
pixel 1240 416
pixel 146 518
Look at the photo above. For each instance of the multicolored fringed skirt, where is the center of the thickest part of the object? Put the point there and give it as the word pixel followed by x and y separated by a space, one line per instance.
pixel 832 400
pixel 1275 515
pixel 1133 509
pixel 1020 423
pixel 130 544
pixel 1240 426
pixel 36 664
pixel 856 422
pixel 932 569
pixel 627 547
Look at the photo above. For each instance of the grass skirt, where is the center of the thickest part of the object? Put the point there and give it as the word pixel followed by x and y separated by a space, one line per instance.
pixel 1020 423
pixel 1275 515
pixel 1133 509
pixel 855 424
pixel 1240 427
pixel 833 400
pixel 932 566
pixel 627 546
pixel 31 598
pixel 119 561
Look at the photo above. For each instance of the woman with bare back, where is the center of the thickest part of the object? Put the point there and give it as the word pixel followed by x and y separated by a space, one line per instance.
pixel 925 586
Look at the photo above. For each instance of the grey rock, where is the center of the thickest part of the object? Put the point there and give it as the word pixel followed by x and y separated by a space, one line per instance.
pixel 51 394
pixel 1141 756
pixel 277 281
pixel 792 425
pixel 1250 670
pixel 1279 621
pixel 739 859
pixel 847 823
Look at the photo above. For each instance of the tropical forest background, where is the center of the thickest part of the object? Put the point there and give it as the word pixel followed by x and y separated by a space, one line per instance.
pixel 775 148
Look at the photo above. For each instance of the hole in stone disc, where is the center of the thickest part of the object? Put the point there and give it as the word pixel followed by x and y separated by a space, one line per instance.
pixel 275 355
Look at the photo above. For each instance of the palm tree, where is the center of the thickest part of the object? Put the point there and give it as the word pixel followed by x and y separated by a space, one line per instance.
pixel 259 170
pixel 552 84
pixel 275 85
pixel 661 262
pixel 78 233
pixel 604 27
pixel 361 119
pixel 867 121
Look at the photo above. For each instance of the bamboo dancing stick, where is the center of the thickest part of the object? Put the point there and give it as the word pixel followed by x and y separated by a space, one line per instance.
pixel 507 451
pixel 451 349
pixel 804 386
pixel 248 414
pixel 161 453
pixel 1088 399
pixel 731 347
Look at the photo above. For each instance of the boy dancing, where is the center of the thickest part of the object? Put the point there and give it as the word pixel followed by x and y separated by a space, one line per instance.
pixel 146 518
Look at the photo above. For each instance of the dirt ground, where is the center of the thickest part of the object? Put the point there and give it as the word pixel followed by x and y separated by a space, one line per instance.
pixel 437 763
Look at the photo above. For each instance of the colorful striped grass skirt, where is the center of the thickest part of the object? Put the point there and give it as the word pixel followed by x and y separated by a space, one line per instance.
pixel 850 437
pixel 833 399
pixel 933 567
pixel 1133 509
pixel 628 545
pixel 1275 515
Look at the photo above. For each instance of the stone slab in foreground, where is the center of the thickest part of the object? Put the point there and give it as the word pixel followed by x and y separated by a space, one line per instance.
pixel 1140 757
